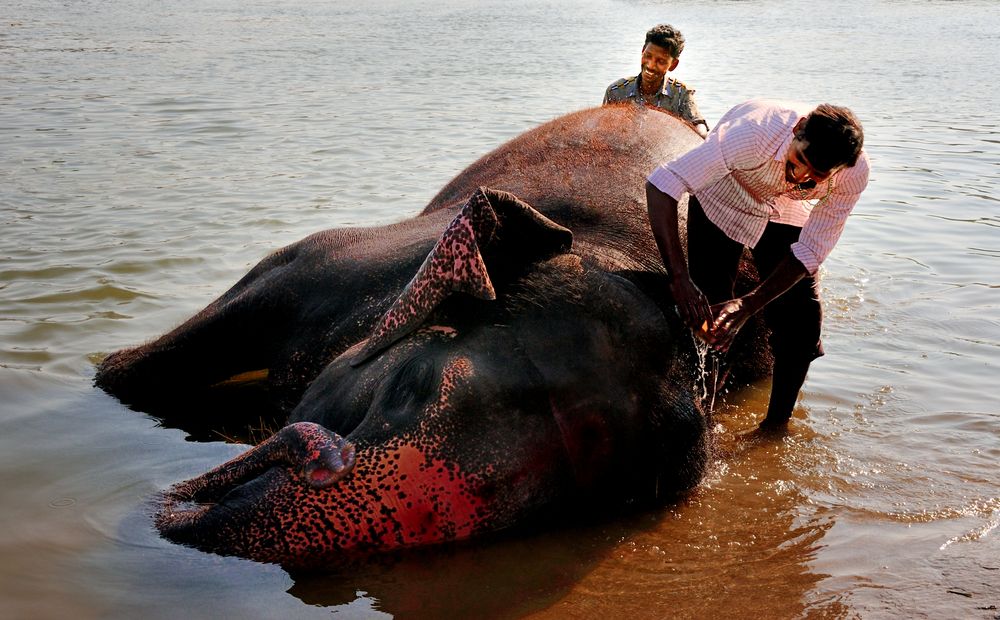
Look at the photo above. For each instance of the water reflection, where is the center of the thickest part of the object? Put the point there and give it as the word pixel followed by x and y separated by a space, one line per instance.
pixel 507 577
pixel 746 541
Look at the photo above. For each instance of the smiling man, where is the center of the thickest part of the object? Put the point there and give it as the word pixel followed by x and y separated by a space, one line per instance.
pixel 660 55
pixel 781 179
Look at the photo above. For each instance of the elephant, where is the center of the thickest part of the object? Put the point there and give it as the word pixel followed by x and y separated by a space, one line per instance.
pixel 511 352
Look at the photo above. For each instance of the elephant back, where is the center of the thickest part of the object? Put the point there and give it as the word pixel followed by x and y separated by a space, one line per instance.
pixel 587 172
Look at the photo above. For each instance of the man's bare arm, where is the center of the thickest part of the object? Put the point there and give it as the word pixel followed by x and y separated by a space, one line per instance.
pixel 691 302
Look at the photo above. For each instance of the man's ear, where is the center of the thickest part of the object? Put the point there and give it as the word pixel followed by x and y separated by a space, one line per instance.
pixel 800 125
pixel 673 65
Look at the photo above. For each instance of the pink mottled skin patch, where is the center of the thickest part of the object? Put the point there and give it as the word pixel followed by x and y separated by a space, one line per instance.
pixel 433 501
pixel 399 494
pixel 398 497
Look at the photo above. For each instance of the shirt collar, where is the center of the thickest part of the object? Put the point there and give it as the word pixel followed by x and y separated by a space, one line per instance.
pixel 783 148
pixel 637 84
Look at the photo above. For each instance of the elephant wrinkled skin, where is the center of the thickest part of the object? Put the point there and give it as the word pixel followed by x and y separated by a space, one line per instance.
pixel 510 351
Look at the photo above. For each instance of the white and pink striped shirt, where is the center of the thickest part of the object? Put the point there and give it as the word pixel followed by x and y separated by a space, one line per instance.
pixel 738 175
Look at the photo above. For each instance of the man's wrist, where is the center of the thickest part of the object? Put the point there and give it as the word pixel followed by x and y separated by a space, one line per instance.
pixel 676 276
pixel 753 301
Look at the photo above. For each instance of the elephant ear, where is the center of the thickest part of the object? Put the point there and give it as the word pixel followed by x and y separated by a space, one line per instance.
pixel 494 229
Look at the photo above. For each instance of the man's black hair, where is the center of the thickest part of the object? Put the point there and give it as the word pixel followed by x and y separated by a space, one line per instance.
pixel 835 137
pixel 667 37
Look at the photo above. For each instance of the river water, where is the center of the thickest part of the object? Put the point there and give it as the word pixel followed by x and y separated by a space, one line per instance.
pixel 150 153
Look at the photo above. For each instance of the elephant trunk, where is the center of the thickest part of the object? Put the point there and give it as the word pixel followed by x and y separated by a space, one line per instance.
pixel 396 495
pixel 320 456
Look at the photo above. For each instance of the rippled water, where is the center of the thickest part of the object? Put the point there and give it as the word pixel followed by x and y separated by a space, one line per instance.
pixel 150 153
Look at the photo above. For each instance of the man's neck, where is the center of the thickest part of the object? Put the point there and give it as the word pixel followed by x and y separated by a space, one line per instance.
pixel 649 89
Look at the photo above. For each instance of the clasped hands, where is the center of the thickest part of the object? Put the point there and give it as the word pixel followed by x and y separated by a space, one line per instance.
pixel 716 324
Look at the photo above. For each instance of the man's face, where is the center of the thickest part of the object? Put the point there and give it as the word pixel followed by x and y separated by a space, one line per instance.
pixel 797 167
pixel 656 61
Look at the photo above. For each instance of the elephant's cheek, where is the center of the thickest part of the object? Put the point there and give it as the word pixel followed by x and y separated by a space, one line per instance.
pixel 423 499
pixel 397 497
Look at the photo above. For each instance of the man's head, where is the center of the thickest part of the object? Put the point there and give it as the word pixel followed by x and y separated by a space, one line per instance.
pixel 828 139
pixel 661 52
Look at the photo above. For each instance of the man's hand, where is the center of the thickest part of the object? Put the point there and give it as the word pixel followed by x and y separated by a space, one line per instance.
pixel 730 317
pixel 692 304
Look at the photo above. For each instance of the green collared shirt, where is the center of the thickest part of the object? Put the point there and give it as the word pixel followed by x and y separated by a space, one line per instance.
pixel 674 97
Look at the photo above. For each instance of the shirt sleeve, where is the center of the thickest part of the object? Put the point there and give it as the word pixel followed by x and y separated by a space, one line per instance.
pixel 731 146
pixel 610 96
pixel 689 109
pixel 826 222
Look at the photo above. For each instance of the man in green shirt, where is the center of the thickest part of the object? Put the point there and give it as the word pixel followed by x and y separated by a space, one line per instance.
pixel 660 55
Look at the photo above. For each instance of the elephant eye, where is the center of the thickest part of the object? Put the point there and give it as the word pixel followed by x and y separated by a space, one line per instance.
pixel 408 388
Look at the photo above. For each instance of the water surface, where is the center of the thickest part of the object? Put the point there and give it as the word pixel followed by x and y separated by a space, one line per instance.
pixel 153 152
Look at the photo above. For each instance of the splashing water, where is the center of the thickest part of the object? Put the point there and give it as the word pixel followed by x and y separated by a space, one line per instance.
pixel 707 374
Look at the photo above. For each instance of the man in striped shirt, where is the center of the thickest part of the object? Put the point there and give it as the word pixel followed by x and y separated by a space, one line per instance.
pixel 780 178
